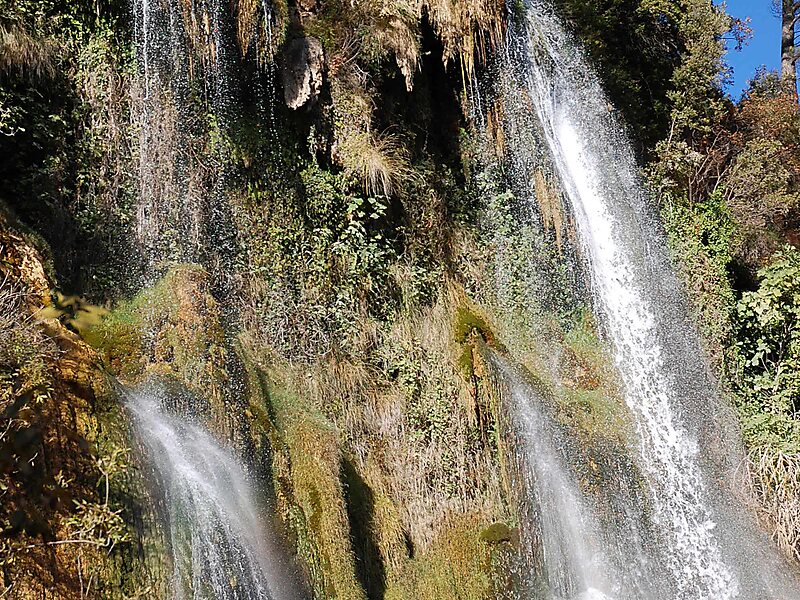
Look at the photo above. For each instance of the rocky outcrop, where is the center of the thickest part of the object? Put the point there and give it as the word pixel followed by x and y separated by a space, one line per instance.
pixel 301 73
pixel 63 534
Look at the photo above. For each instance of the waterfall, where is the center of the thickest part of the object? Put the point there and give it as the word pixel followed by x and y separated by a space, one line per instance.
pixel 709 546
pixel 571 552
pixel 219 545
pixel 218 539
pixel 186 95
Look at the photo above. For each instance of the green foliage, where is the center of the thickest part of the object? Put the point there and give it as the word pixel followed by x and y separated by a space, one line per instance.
pixel 769 346
pixel 327 258
pixel 689 157
pixel 530 274
pixel 696 96
pixel 63 68
pixel 702 236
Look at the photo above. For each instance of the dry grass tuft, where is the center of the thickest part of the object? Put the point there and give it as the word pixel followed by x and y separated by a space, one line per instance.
pixel 380 161
pixel 469 29
pixel 260 27
pixel 774 478
pixel 23 55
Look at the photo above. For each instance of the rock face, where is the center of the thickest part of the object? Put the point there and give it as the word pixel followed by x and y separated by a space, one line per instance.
pixel 301 74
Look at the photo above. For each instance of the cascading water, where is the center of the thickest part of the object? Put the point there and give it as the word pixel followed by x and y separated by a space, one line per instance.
pixel 571 549
pixel 708 544
pixel 219 545
pixel 185 63
pixel 218 542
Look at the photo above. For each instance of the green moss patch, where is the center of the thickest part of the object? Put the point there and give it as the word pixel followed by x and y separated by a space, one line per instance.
pixel 466 561
pixel 306 465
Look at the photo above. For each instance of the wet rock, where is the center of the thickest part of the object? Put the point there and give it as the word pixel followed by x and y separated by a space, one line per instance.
pixel 301 74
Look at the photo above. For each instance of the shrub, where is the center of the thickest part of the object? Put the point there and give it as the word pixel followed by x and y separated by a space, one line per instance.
pixel 769 345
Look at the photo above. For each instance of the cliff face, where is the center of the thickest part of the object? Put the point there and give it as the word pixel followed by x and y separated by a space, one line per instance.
pixel 291 288
pixel 302 221
pixel 71 510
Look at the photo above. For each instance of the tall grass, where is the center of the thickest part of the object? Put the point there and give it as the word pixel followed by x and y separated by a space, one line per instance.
pixel 24 55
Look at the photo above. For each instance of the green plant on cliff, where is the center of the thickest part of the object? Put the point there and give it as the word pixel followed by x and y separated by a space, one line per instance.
pixel 64 70
pixel 768 322
pixel 703 235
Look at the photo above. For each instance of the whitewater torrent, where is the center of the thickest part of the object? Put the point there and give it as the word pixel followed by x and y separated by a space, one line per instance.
pixel 711 550
pixel 219 546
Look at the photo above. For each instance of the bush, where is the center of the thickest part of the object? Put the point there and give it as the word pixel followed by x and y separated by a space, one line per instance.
pixel 768 335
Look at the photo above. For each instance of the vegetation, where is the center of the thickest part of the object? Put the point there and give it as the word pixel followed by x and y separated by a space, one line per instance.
pixel 789 11
pixel 347 264
pixel 727 182
pixel 768 341
pixel 67 507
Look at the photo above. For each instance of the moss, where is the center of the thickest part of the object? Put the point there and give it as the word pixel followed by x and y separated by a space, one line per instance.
pixel 590 399
pixel 468 322
pixel 463 562
pixel 173 329
pixel 305 465
pixel 497 533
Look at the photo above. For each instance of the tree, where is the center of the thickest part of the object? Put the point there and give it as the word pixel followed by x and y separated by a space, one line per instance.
pixel 790 45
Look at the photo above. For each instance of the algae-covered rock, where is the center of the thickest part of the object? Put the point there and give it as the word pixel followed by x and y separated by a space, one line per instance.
pixel 305 464
pixel 172 330
pixel 463 562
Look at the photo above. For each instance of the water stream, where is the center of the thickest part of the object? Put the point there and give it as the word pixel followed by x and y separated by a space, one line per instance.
pixel 567 533
pixel 218 541
pixel 218 538
pixel 685 446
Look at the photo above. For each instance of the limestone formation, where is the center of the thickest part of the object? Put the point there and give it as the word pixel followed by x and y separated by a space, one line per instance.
pixel 301 74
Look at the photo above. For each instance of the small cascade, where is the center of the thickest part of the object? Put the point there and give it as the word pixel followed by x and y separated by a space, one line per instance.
pixel 186 56
pixel 187 98
pixel 687 450
pixel 570 548
pixel 574 556
pixel 219 545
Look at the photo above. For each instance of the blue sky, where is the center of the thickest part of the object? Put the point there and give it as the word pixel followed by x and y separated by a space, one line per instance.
pixel 764 47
